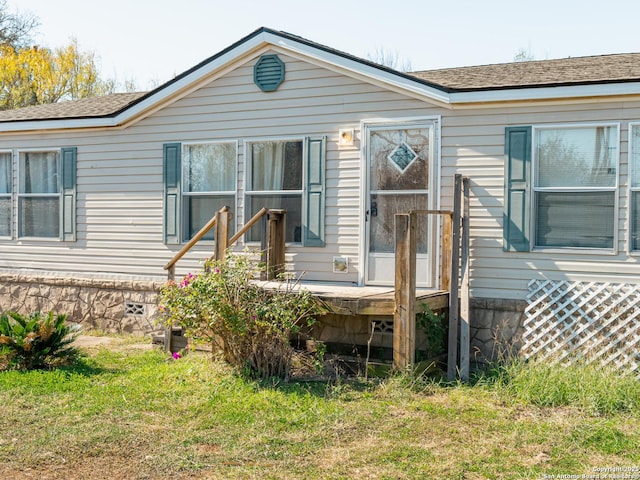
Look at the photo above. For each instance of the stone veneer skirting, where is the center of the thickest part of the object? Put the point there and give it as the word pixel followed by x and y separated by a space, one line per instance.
pixel 131 306
pixel 111 305
pixel 496 328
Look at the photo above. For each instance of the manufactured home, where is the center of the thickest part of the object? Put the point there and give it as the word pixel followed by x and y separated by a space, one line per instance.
pixel 97 195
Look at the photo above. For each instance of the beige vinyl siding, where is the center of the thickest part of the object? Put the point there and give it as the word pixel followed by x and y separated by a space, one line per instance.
pixel 120 205
pixel 473 145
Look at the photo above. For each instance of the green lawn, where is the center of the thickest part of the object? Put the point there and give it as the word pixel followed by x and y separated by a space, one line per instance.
pixel 136 414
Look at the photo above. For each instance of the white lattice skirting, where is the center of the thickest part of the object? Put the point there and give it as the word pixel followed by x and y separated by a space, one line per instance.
pixel 589 320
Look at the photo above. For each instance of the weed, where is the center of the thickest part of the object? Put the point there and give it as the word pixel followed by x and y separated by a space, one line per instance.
pixel 435 328
pixel 597 389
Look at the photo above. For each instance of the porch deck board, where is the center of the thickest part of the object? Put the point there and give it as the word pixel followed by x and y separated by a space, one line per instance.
pixel 346 299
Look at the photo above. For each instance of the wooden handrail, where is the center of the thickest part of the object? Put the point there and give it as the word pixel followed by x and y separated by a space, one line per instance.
pixel 248 225
pixel 196 238
pixel 275 258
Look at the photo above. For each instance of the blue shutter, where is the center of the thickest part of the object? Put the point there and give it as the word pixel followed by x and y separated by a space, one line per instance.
pixel 68 219
pixel 314 215
pixel 171 178
pixel 517 196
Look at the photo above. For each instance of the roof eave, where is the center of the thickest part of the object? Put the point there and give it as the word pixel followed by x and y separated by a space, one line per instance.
pixel 556 92
pixel 56 124
pixel 256 40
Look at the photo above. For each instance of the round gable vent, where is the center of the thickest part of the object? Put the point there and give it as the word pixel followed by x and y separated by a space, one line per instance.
pixel 268 73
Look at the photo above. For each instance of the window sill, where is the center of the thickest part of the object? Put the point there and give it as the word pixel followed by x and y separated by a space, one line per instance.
pixel 38 239
pixel 576 250
pixel 286 244
pixel 200 242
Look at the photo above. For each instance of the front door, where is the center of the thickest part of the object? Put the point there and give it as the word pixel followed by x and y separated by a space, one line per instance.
pixel 399 159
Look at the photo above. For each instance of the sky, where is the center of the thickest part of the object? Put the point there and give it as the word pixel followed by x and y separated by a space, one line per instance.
pixel 151 41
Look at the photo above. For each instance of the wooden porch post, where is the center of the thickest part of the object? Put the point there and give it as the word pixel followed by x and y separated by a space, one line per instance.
pixel 276 233
pixel 404 317
pixel 168 332
pixel 222 233
pixel 452 356
pixel 464 285
pixel 445 264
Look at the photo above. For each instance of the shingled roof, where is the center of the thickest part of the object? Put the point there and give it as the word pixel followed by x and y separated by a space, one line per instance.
pixel 596 70
pixel 85 108
pixel 543 73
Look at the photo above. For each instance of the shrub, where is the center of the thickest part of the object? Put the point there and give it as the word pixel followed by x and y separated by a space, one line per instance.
pixel 252 324
pixel 35 341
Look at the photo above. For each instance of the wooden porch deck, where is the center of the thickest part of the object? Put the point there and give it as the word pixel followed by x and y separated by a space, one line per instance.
pixel 343 299
pixel 403 300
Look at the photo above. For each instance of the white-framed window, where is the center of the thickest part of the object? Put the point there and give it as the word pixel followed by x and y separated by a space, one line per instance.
pixel 208 183
pixel 575 186
pixel 275 179
pixel 201 177
pixel 39 194
pixel 6 190
pixel 634 186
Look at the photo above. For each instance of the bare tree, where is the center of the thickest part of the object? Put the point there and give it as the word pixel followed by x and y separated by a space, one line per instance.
pixel 390 59
pixel 16 28
pixel 524 55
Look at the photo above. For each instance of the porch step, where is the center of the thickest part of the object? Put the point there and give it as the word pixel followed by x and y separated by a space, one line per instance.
pixel 179 341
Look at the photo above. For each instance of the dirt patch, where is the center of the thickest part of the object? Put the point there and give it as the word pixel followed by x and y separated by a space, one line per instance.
pixel 86 341
pixel 116 343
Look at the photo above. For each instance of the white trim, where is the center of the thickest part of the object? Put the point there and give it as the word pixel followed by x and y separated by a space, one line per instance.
pixel 431 93
pixel 630 188
pixel 58 194
pixel 546 93
pixel 577 250
pixel 534 189
pixel 358 68
pixel 435 187
pixel 424 191
pixel 11 194
pixel 169 91
pixel 258 193
pixel 432 122
pixel 229 193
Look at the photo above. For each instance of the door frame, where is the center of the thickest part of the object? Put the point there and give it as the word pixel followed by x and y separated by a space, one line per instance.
pixel 433 122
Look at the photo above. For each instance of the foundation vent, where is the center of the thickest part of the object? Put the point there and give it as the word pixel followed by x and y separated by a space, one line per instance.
pixel 131 308
pixel 383 325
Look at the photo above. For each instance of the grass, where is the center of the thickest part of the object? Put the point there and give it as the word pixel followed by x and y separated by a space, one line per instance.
pixel 138 414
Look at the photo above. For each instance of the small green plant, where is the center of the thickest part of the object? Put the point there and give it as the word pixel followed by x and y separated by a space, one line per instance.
pixel 321 350
pixel 435 328
pixel 36 341
pixel 251 323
